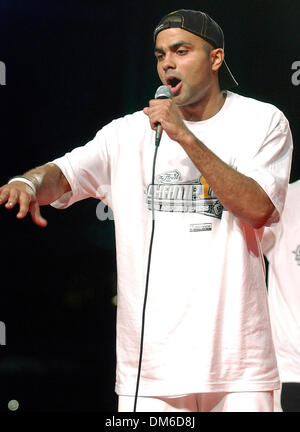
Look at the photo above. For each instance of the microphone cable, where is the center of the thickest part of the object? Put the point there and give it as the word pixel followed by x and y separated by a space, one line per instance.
pixel 163 92
pixel 147 280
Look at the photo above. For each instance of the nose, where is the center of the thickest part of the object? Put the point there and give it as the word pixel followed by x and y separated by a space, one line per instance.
pixel 168 63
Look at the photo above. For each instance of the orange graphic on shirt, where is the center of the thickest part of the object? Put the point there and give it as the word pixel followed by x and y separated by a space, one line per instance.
pixel 206 188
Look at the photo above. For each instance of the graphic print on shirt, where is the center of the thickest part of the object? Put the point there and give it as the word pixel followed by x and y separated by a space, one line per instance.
pixel 172 194
pixel 297 254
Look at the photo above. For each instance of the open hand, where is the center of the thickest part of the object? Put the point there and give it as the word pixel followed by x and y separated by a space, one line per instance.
pixel 18 192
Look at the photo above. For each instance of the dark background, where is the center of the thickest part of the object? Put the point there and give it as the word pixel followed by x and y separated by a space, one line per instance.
pixel 71 67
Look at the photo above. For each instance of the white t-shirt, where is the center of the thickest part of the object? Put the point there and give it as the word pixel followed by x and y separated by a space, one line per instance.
pixel 281 245
pixel 207 325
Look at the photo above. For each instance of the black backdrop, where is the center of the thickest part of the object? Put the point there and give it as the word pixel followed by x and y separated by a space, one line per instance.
pixel 72 66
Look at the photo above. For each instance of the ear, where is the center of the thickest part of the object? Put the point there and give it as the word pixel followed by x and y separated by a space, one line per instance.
pixel 217 57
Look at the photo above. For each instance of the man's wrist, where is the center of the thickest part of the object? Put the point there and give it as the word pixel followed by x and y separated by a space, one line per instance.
pixel 187 139
pixel 24 180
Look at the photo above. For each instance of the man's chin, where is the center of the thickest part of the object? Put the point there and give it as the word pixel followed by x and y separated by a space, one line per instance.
pixel 180 100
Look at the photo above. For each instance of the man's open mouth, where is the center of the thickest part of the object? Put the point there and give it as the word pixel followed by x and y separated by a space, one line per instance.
pixel 174 84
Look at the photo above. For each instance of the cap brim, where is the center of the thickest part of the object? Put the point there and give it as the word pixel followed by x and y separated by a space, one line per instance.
pixel 226 79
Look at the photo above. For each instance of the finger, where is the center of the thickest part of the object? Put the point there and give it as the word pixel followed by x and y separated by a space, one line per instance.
pixel 24 201
pixel 12 199
pixel 149 113
pixel 160 102
pixel 36 215
pixel 153 115
pixel 155 102
pixel 4 196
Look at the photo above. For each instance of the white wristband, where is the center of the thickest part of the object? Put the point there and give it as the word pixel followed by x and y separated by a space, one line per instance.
pixel 24 180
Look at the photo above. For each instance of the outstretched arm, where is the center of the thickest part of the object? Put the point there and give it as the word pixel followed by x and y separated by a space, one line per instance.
pixel 49 184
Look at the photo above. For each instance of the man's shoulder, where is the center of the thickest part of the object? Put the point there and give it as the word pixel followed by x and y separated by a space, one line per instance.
pixel 137 118
pixel 132 126
pixel 252 103
pixel 258 111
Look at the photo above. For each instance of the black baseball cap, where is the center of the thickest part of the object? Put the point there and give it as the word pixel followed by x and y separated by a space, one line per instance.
pixel 204 26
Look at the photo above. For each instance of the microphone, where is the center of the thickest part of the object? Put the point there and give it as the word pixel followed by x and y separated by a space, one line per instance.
pixel 163 92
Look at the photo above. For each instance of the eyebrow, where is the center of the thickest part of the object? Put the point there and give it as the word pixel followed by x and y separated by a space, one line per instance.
pixel 172 47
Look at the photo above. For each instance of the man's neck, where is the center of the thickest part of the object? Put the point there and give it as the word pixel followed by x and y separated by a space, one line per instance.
pixel 207 108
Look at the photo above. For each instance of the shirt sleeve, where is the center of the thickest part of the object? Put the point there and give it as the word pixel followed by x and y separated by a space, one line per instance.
pixel 87 169
pixel 271 164
pixel 268 240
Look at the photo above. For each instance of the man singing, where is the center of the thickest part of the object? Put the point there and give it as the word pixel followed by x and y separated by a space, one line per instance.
pixel 222 172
